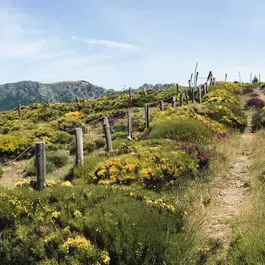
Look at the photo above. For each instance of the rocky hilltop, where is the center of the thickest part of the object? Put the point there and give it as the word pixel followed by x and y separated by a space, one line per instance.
pixel 28 92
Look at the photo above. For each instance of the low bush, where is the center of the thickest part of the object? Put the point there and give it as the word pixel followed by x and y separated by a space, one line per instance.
pixel 221 96
pixel 54 160
pixel 86 170
pixel 181 129
pixel 231 115
pixel 58 158
pixel 155 167
pixel 247 90
pixel 63 138
pixel 100 143
pixel 91 225
pixel 255 102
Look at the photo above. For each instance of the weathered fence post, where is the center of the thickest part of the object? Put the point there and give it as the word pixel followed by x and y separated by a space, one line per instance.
pixel 40 165
pixel 106 129
pixel 178 88
pixel 181 99
pixel 78 104
pixel 174 102
pixel 19 109
pixel 147 115
pixel 203 90
pixel 193 95
pixel 186 97
pixel 79 159
pixel 130 97
pixel 206 88
pixel 200 95
pixel 129 116
pixel 161 105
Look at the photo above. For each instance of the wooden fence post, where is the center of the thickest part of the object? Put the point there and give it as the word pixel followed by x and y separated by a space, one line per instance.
pixel 200 95
pixel 193 95
pixel 203 90
pixel 19 109
pixel 106 129
pixel 161 105
pixel 186 97
pixel 78 104
pixel 40 165
pixel 79 159
pixel 181 99
pixel 206 88
pixel 178 88
pixel 147 115
pixel 130 97
pixel 129 116
pixel 174 102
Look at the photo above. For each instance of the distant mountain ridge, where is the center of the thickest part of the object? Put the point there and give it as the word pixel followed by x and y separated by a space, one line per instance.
pixel 28 92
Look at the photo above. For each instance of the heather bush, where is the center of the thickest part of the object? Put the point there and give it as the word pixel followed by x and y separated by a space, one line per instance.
pixel 255 102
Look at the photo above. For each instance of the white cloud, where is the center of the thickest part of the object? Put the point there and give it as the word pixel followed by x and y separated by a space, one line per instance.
pixel 114 44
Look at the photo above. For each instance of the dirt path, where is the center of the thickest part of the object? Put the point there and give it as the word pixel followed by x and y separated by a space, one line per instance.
pixel 230 192
pixel 13 173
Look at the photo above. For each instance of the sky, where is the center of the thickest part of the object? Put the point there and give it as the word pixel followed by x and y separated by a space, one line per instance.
pixel 117 43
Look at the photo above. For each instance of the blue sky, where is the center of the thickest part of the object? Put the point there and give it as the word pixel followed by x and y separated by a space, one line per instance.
pixel 113 43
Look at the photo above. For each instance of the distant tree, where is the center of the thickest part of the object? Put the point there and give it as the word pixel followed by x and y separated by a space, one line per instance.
pixel 255 80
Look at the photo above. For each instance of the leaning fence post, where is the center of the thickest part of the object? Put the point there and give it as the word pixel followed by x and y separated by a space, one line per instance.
pixel 181 99
pixel 174 102
pixel 147 115
pixel 161 105
pixel 40 165
pixel 79 159
pixel 129 116
pixel 106 129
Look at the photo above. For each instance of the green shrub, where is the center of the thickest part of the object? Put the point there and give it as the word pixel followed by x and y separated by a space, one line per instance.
pixel 54 160
pixel 155 167
pixel 58 158
pixel 91 225
pixel 232 115
pixel 86 170
pixel 181 129
pixel 30 169
pixel 100 143
pixel 63 138
pixel 89 146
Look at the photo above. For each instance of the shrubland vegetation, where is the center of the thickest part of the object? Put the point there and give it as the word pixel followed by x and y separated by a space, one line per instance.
pixel 130 207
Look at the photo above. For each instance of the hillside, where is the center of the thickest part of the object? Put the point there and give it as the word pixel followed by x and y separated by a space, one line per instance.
pixel 186 190
pixel 28 92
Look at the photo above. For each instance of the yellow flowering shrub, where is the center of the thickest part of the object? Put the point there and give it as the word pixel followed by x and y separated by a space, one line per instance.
pixel 221 96
pixel 14 144
pixel 235 88
pixel 152 166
